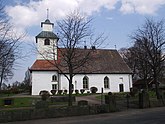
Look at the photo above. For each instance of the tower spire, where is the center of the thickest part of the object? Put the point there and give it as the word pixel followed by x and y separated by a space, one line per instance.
pixel 47 13
pixel 115 47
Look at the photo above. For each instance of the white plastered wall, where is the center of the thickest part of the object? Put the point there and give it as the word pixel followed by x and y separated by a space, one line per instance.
pixel 97 80
pixel 46 51
pixel 42 80
pixel 47 27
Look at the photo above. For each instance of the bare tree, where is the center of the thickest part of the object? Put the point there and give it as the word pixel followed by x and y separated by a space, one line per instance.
pixel 135 59
pixel 27 79
pixel 149 46
pixel 128 54
pixel 26 84
pixel 6 65
pixel 9 47
pixel 73 31
pixel 74 34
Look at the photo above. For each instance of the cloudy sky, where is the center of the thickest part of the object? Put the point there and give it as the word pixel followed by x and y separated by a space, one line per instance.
pixel 117 19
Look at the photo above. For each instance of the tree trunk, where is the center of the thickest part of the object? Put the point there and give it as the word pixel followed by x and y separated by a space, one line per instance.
pixel 156 86
pixel 146 84
pixel 70 92
pixel 157 90
pixel 1 83
pixel 1 80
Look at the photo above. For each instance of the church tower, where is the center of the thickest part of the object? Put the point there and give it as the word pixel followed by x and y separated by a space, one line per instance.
pixel 46 42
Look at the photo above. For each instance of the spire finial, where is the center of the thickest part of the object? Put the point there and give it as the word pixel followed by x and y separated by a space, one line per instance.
pixel 115 47
pixel 85 42
pixel 47 13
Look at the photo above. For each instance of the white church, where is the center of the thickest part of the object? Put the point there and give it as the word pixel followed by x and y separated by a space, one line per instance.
pixel 109 71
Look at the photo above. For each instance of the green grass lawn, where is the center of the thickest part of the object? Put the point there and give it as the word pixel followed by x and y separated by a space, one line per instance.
pixel 18 102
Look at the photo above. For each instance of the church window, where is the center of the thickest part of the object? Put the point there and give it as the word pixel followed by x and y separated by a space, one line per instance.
pixel 106 82
pixel 85 83
pixel 54 86
pixel 47 41
pixel 54 78
pixel 121 87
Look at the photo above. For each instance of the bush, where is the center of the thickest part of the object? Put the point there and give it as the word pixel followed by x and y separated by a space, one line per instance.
pixel 15 90
pixel 53 92
pixel 11 91
pixel 60 92
pixel 93 89
pixel 76 91
pixel 82 91
pixel 65 91
pixel 44 94
pixel 133 91
pixel 152 94
pixel 5 92
pixel 109 93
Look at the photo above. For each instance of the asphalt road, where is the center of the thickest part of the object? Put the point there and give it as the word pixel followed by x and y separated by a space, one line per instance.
pixel 138 116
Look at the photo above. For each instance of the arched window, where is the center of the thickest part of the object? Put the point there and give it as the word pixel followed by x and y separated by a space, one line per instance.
pixel 54 78
pixel 85 83
pixel 47 41
pixel 106 82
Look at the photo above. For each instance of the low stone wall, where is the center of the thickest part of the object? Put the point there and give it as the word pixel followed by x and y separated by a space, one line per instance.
pixel 52 112
pixel 157 103
pixel 43 111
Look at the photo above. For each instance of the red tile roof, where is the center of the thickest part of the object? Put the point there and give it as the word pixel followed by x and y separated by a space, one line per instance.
pixel 43 65
pixel 102 61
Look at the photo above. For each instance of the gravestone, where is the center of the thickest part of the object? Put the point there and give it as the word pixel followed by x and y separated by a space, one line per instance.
pixel 144 99
pixel 111 101
pixel 82 103
pixel 8 101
